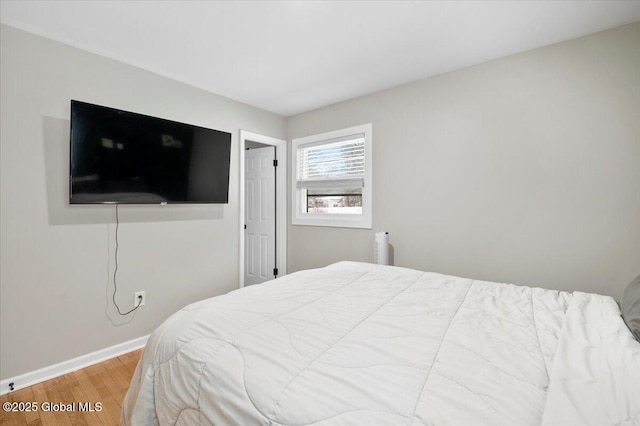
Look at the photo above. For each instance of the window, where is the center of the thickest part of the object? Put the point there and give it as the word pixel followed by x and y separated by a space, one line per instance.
pixel 332 179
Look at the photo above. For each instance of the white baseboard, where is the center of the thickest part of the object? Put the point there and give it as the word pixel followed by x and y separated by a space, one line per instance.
pixel 46 373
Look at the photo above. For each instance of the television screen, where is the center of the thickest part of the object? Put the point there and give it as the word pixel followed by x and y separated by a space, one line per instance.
pixel 124 157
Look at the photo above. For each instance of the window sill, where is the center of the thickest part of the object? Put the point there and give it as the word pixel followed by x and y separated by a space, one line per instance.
pixel 334 221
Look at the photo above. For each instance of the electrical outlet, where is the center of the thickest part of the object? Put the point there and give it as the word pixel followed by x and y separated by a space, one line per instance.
pixel 136 299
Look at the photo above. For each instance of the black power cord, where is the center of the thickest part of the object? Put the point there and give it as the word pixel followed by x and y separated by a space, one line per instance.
pixel 115 273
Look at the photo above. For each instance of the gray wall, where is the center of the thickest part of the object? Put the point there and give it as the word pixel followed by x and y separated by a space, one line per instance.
pixel 524 169
pixel 55 258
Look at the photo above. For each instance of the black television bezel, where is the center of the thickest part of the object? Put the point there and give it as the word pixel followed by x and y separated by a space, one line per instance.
pixel 166 202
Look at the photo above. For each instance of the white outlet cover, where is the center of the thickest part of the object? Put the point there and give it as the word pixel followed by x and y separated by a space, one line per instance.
pixel 135 298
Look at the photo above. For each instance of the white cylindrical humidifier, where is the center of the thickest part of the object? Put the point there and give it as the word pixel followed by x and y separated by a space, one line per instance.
pixel 381 248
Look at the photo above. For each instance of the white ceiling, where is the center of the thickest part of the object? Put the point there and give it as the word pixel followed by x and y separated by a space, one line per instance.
pixel 293 56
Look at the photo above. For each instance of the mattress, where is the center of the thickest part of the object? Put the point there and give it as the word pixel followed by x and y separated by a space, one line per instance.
pixel 360 344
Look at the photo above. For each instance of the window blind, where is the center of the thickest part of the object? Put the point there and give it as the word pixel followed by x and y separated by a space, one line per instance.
pixel 330 165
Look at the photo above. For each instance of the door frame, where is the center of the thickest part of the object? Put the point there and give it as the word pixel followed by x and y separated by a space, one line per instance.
pixel 281 199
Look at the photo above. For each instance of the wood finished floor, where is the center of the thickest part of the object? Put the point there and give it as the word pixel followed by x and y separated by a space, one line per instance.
pixel 106 382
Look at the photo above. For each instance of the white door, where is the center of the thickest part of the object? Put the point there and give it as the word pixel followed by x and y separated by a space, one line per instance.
pixel 260 215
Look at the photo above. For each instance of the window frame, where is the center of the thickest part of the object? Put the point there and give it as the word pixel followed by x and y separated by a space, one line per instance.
pixel 299 214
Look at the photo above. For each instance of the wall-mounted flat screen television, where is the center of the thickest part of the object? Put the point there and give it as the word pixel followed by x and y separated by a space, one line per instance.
pixel 123 157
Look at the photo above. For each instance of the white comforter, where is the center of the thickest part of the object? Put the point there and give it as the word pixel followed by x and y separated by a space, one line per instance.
pixel 358 344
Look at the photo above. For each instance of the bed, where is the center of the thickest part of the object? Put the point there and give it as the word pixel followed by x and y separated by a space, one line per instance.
pixel 361 344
